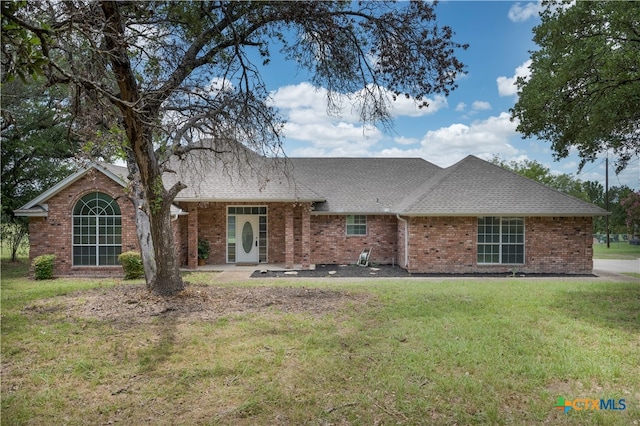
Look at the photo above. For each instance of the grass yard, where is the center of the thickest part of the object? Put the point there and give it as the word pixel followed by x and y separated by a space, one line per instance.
pixel 415 352
pixel 616 250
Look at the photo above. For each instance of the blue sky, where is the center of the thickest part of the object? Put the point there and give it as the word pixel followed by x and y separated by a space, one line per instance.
pixel 474 119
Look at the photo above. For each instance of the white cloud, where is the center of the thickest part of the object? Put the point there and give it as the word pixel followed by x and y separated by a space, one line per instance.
pixel 304 103
pixel 401 140
pixel 331 139
pixel 307 121
pixel 461 106
pixel 447 145
pixel 507 85
pixel 309 104
pixel 519 13
pixel 480 106
pixel 408 108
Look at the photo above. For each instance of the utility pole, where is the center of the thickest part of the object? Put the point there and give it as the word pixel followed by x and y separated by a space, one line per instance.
pixel 606 196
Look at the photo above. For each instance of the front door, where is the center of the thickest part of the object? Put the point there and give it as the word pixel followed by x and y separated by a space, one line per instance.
pixel 248 231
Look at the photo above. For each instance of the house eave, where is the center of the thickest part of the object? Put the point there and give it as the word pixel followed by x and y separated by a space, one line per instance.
pixel 510 214
pixel 477 214
pixel 349 213
pixel 30 213
pixel 247 200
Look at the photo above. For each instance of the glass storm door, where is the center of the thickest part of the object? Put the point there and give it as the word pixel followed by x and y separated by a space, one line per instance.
pixel 247 232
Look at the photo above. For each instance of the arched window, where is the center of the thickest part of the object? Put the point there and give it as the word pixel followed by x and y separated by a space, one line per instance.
pixel 97 231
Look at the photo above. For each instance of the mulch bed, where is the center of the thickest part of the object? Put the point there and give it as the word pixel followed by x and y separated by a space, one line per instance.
pixel 386 271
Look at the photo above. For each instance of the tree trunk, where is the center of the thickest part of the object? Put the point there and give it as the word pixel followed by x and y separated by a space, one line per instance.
pixel 167 279
pixel 154 229
pixel 15 239
pixel 143 225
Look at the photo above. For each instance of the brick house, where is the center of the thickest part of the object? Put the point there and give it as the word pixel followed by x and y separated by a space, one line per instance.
pixel 472 217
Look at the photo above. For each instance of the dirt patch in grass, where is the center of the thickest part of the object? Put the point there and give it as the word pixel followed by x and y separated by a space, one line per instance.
pixel 134 304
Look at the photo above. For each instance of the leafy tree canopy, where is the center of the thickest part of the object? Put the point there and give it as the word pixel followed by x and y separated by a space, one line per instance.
pixel 584 87
pixel 36 147
pixel 632 205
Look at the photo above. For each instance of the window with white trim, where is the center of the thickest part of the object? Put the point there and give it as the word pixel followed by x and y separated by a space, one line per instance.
pixel 501 240
pixel 97 231
pixel 356 225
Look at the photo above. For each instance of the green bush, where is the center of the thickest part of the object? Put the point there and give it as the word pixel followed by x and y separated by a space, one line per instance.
pixel 43 266
pixel 132 264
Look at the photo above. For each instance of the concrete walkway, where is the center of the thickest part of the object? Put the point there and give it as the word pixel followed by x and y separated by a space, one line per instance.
pixel 616 266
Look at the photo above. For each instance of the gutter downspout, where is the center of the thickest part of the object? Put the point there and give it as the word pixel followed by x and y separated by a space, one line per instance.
pixel 406 240
pixel 175 215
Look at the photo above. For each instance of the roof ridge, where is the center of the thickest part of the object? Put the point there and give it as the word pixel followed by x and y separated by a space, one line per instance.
pixel 428 186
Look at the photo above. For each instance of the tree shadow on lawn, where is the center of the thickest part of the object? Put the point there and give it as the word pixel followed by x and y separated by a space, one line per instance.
pixel 161 345
pixel 614 305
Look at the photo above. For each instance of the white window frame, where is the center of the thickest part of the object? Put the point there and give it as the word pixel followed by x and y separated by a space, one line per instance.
pixel 351 222
pixel 503 239
pixel 98 228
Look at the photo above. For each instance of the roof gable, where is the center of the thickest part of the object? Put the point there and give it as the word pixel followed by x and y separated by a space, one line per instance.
pixel 474 187
pixel 37 206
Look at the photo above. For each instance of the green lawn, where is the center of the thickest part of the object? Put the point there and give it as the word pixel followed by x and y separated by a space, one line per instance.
pixel 616 250
pixel 418 352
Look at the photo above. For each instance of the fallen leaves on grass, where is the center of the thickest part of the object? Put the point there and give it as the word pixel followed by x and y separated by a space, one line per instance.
pixel 134 304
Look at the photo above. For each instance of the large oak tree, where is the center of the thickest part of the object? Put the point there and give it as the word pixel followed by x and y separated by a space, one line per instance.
pixel 171 73
pixel 35 148
pixel 584 87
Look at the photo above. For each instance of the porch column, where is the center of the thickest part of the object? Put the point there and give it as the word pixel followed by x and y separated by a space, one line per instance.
pixel 306 237
pixel 288 238
pixel 192 237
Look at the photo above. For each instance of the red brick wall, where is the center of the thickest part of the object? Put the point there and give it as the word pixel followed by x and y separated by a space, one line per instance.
pixel 211 226
pixel 331 245
pixel 442 244
pixel 552 245
pixel 559 244
pixel 328 240
pixel 53 234
pixel 180 235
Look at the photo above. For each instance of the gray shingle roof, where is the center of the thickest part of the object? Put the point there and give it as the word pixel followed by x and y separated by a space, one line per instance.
pixel 362 185
pixel 474 187
pixel 406 186
pixel 250 178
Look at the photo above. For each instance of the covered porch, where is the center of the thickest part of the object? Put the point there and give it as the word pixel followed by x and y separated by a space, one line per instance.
pixel 246 235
